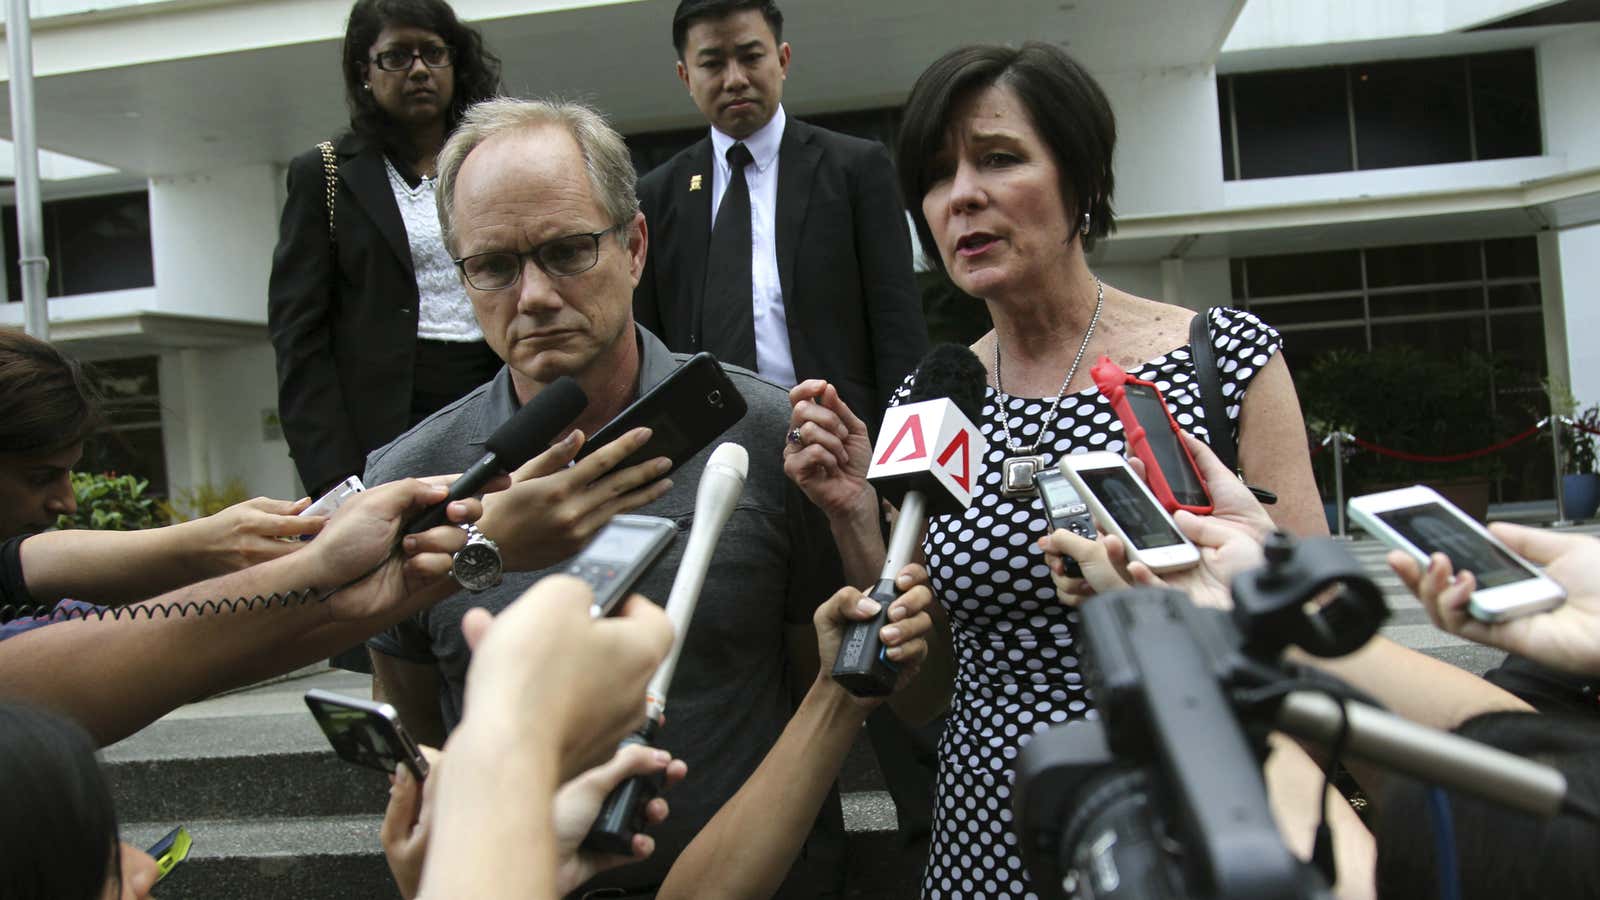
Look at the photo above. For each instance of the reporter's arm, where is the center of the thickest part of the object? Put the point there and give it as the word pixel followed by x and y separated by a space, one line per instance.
pixel 482 846
pixel 749 845
pixel 112 568
pixel 115 675
pixel 413 690
pixel 1414 685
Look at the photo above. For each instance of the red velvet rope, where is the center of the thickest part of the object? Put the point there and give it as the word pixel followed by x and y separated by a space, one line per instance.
pixel 1582 427
pixel 1449 458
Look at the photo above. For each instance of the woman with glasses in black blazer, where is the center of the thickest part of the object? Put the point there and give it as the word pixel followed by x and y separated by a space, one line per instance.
pixel 372 329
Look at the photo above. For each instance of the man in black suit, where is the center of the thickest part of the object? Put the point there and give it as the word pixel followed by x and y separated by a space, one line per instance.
pixel 783 248
pixel 810 276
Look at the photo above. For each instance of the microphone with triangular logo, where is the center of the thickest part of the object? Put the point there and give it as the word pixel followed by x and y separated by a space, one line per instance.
pixel 926 462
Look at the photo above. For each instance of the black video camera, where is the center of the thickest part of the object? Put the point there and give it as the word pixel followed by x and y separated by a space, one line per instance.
pixel 1163 797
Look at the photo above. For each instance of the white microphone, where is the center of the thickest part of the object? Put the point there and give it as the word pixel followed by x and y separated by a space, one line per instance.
pixel 721 483
pixel 926 462
pixel 720 486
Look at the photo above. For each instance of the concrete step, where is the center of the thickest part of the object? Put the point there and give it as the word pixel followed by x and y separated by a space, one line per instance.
pixel 307 858
pixel 256 754
pixel 274 813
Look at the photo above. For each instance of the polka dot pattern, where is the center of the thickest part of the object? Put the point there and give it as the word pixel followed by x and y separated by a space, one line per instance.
pixel 1017 670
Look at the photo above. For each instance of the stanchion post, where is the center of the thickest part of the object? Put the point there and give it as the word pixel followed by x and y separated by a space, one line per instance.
pixel 1338 482
pixel 1555 449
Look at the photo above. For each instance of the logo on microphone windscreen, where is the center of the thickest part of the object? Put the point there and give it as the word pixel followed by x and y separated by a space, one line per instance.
pixel 930 440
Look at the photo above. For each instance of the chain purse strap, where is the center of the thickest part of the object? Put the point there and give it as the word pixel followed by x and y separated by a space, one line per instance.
pixel 330 181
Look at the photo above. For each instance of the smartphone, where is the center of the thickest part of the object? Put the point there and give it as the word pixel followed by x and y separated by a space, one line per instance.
pixel 1122 505
pixel 1419 522
pixel 366 732
pixel 1066 509
pixel 332 500
pixel 619 556
pixel 1152 435
pixel 685 412
pixel 170 851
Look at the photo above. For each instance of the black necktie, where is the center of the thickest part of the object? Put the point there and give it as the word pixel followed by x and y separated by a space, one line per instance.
pixel 726 318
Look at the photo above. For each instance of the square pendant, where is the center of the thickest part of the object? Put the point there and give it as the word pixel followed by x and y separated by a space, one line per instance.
pixel 1019 473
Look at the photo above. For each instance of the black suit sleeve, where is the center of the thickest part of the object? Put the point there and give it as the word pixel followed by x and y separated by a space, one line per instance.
pixel 898 332
pixel 646 306
pixel 300 308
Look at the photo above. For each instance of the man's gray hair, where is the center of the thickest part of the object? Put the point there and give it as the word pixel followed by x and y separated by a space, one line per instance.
pixel 605 155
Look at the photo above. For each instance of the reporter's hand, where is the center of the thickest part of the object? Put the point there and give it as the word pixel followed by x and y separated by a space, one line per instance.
pixel 1231 499
pixel 248 533
pixel 535 675
pixel 357 548
pixel 829 463
pixel 137 875
pixel 1103 562
pixel 405 828
pixel 1566 638
pixel 578 802
pixel 905 636
pixel 551 510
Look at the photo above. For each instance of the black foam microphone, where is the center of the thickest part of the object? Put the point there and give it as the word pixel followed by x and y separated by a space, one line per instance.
pixel 527 433
pixel 926 462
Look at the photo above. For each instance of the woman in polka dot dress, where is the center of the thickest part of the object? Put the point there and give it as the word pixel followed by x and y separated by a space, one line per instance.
pixel 1007 154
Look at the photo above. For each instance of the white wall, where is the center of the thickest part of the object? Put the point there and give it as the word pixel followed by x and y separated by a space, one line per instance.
pixel 1195 282
pixel 1169 149
pixel 213 402
pixel 1578 252
pixel 1569 71
pixel 1295 23
pixel 212 236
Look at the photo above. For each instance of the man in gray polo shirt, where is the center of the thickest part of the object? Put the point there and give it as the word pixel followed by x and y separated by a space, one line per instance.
pixel 543 196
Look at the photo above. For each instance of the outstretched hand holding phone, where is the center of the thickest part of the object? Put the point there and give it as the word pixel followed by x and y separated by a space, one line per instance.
pixel 1566 638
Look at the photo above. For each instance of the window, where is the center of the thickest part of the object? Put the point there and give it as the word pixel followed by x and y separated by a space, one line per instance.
pixel 1443 299
pixel 1379 115
pixel 94 244
pixel 129 442
pixel 1292 123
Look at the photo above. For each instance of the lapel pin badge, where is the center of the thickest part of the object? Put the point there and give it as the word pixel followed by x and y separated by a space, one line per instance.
pixel 694 182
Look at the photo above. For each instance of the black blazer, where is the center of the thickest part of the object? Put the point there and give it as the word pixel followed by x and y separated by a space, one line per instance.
pixel 345 328
pixel 844 261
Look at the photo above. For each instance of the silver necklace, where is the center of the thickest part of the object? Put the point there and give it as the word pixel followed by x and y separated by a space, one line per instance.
pixel 1023 464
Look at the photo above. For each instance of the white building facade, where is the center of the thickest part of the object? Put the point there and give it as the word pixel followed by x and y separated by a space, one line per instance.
pixel 1359 172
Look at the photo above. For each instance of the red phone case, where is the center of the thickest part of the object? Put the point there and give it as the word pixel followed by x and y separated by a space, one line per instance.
pixel 1111 380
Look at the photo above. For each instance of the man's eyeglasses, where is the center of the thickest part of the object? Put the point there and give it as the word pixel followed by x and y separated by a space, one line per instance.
pixel 434 56
pixel 562 257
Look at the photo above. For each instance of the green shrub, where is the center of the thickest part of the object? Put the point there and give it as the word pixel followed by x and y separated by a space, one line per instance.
pixel 111 502
pixel 1405 399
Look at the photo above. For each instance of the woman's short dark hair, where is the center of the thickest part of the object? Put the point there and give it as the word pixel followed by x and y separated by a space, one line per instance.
pixel 692 11
pixel 1064 103
pixel 46 404
pixel 1502 854
pixel 60 827
pixel 477 70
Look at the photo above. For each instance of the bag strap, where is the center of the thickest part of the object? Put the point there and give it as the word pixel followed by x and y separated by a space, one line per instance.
pixel 330 181
pixel 1222 439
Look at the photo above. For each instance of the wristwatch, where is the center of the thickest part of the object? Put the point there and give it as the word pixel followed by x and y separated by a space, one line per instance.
pixel 477 566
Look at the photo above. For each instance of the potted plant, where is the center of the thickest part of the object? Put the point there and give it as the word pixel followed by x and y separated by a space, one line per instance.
pixel 1580 483
pixel 1580 486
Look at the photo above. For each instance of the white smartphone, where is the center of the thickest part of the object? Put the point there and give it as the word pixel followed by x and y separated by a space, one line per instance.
pixel 1123 506
pixel 1419 522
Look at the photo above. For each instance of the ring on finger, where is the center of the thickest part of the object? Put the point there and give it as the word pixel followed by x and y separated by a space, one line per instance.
pixel 794 437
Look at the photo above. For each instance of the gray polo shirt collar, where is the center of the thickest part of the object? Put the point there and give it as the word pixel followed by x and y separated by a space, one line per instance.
pixel 500 402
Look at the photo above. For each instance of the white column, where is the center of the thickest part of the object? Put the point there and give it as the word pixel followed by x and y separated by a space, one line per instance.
pixel 1578 262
